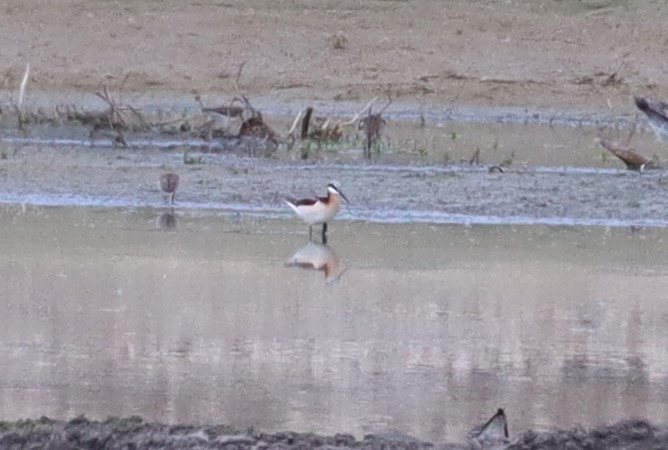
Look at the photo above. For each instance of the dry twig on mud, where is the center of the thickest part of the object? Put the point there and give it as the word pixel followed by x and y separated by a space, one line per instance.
pixel 214 127
pixel 475 159
pixel 238 77
pixel 22 91
pixel 373 125
pixel 252 122
pixel 118 118
pixel 323 128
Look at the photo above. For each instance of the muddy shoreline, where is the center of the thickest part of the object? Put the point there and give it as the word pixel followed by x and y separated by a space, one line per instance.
pixel 134 432
pixel 447 193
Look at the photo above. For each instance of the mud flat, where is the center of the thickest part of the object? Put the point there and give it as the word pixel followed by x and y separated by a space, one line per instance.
pixel 571 53
pixel 77 176
pixel 133 432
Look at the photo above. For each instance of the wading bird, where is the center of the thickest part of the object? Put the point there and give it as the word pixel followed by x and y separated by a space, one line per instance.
pixel 168 183
pixel 320 210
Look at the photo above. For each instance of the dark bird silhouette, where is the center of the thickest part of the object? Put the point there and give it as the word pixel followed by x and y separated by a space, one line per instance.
pixel 495 430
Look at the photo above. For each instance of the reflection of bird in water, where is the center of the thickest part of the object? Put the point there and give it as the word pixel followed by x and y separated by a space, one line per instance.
pixel 492 433
pixel 632 159
pixel 319 210
pixel 168 183
pixel 316 256
pixel 657 114
pixel 167 220
pixel 638 230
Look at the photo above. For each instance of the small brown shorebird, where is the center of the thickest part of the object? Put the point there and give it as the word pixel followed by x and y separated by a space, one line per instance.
pixel 632 159
pixel 168 183
pixel 657 114
pixel 373 125
pixel 320 210
pixel 494 430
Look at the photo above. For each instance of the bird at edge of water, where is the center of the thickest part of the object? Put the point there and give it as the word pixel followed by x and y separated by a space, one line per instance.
pixel 492 433
pixel 319 210
pixel 168 183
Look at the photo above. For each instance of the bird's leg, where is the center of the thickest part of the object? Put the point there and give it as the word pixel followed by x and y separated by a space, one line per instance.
pixel 324 233
pixel 310 232
pixel 172 196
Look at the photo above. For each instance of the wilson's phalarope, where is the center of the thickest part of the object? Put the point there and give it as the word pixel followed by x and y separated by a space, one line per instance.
pixel 657 113
pixel 319 210
pixel 168 183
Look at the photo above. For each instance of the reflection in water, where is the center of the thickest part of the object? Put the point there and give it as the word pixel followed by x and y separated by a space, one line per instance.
pixel 167 220
pixel 316 256
pixel 99 314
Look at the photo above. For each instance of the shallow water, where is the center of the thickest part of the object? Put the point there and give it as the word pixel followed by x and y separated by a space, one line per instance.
pixel 423 328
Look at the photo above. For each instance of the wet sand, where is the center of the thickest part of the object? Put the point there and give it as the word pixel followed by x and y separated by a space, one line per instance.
pixel 455 193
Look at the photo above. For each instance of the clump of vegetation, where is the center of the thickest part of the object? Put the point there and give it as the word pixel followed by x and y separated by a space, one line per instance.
pixel 508 161
pixel 339 41
pixel 605 158
pixel 190 160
